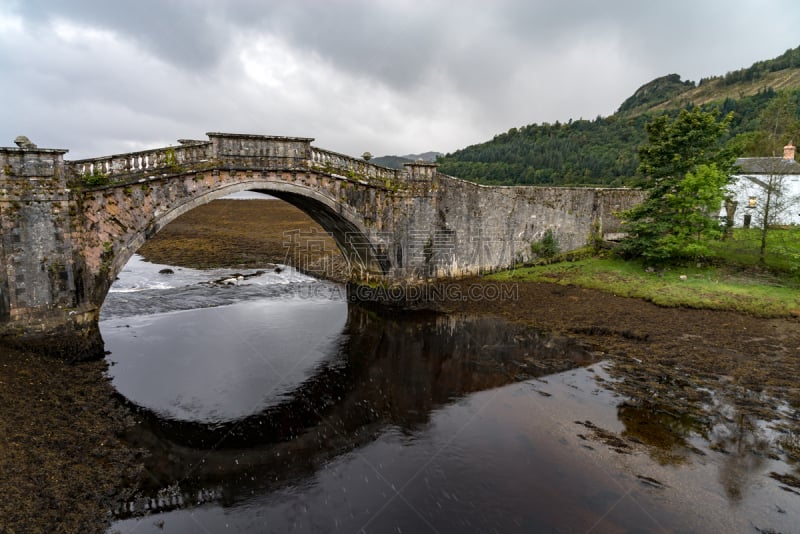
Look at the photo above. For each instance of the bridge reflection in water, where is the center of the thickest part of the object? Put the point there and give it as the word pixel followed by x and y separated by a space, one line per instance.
pixel 424 423
pixel 380 376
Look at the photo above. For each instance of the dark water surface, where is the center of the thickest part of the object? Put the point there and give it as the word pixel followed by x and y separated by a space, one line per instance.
pixel 273 406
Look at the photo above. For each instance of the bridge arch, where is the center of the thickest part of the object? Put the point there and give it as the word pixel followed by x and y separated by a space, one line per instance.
pixel 336 218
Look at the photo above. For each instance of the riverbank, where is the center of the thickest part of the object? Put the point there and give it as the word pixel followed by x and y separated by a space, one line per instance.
pixel 749 289
pixel 694 350
pixel 63 464
pixel 662 352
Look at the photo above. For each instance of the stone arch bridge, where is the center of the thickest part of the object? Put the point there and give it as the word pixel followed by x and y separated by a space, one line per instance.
pixel 68 227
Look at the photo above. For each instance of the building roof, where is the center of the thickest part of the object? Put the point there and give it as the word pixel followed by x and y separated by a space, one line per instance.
pixel 776 165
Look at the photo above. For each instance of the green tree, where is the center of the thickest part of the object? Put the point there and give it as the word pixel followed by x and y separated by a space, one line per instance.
pixel 778 123
pixel 686 167
pixel 699 198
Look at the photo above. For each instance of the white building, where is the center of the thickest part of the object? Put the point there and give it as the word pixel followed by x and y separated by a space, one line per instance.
pixel 750 186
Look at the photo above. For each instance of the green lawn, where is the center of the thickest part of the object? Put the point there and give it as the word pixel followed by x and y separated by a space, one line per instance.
pixel 734 282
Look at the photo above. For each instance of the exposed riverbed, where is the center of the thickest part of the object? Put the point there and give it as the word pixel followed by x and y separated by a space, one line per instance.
pixel 271 405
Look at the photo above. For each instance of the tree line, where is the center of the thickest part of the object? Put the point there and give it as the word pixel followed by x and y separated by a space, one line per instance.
pixel 788 60
pixel 603 151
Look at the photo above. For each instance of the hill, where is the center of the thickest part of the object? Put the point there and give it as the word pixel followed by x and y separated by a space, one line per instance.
pixel 660 90
pixel 392 162
pixel 780 73
pixel 397 162
pixel 604 151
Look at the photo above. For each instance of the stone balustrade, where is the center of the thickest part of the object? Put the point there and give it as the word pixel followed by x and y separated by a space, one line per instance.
pixel 246 151
pixel 146 161
pixel 238 151
pixel 349 166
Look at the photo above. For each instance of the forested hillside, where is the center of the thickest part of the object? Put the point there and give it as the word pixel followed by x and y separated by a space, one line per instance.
pixel 604 151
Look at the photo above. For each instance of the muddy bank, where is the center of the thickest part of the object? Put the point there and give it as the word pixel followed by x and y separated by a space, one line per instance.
pixel 676 368
pixel 62 463
pixel 745 349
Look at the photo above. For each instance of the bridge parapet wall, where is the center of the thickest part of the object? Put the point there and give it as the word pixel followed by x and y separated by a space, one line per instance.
pixel 31 174
pixel 460 228
pixel 242 151
pixel 120 168
pixel 421 171
pixel 334 163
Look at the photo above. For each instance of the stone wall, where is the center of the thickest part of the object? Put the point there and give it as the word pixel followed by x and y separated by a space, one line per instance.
pixel 458 228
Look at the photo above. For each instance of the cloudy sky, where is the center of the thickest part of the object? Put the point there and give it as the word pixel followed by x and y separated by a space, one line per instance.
pixel 389 76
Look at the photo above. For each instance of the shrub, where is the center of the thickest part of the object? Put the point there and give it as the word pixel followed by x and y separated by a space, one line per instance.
pixel 547 247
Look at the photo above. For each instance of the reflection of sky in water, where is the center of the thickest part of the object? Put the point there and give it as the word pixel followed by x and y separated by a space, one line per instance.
pixel 221 363
pixel 495 461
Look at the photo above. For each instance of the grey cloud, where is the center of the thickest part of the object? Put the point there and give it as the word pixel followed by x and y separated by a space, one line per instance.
pixel 404 73
pixel 466 42
pixel 183 33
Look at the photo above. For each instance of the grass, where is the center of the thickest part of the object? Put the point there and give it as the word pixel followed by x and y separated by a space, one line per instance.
pixel 735 281
pixel 782 253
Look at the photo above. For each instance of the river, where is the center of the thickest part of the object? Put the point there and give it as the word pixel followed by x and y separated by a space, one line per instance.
pixel 270 404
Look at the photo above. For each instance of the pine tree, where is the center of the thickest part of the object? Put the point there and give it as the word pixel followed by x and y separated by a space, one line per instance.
pixel 686 168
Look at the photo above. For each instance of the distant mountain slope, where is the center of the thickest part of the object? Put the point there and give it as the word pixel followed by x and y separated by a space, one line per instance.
pixel 397 162
pixel 709 91
pixel 425 156
pixel 604 151
pixel 659 91
pixel 392 162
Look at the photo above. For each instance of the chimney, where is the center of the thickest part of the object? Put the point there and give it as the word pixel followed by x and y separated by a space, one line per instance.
pixel 788 151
